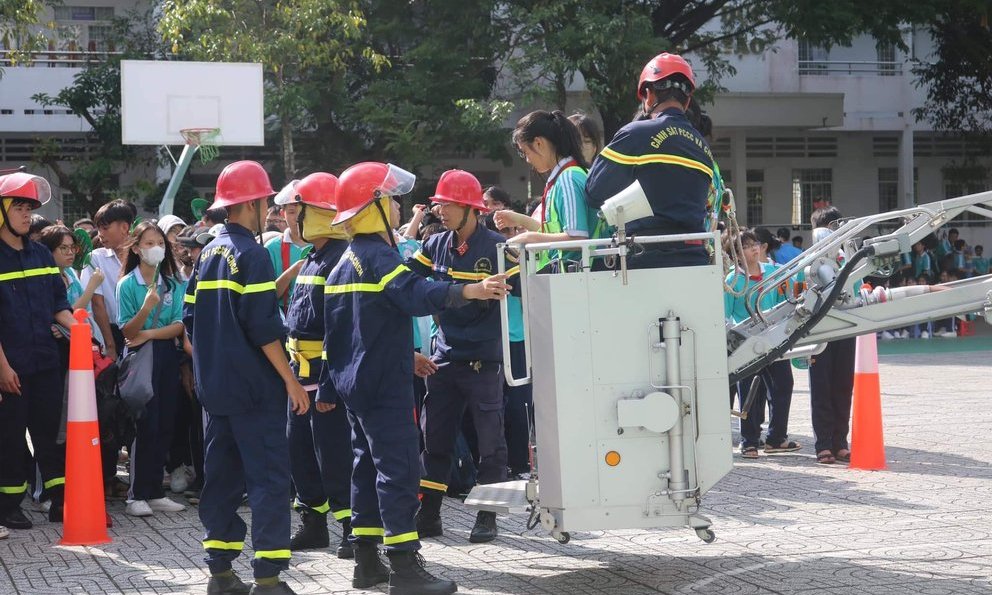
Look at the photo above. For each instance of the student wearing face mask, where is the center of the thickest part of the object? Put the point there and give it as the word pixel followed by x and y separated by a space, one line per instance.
pixel 150 301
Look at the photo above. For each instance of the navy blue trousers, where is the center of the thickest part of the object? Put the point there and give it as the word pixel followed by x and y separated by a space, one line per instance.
pixel 776 392
pixel 154 430
pixel 386 475
pixel 38 409
pixel 831 389
pixel 320 458
pixel 246 452
pixel 519 413
pixel 455 387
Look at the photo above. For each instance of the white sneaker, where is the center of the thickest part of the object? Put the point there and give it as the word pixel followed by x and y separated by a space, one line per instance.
pixel 178 480
pixel 4 533
pixel 41 506
pixel 165 505
pixel 947 334
pixel 886 336
pixel 924 335
pixel 903 335
pixel 138 508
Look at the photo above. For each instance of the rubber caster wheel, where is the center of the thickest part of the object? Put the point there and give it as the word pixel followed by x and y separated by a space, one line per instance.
pixel 563 537
pixel 706 535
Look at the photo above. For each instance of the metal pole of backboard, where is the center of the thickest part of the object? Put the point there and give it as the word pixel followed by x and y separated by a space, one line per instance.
pixel 169 198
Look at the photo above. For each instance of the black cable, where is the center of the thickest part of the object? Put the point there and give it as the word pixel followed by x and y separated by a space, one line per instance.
pixel 804 329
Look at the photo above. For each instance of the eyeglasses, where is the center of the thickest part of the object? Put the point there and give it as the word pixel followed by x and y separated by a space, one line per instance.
pixel 749 245
pixel 67 249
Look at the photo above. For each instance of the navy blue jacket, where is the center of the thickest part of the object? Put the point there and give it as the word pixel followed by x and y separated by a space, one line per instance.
pixel 471 333
pixel 370 297
pixel 672 162
pixel 230 312
pixel 31 294
pixel 305 315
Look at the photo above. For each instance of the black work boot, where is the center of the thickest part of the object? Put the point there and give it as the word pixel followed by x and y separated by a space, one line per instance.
pixel 369 569
pixel 312 534
pixel 429 515
pixel 485 527
pixel 14 519
pixel 409 577
pixel 227 584
pixel 345 550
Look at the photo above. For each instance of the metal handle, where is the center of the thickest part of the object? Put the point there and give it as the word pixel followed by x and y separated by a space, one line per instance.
pixel 504 319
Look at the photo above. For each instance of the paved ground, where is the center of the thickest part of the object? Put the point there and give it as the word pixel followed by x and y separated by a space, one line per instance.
pixel 784 524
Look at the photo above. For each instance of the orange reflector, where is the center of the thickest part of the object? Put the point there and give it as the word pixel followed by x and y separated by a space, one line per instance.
pixel 613 458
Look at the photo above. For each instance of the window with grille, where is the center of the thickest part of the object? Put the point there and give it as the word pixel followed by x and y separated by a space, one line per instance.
pixel 812 58
pixel 755 197
pixel 888 189
pixel 72 208
pixel 809 187
pixel 84 13
pixel 885 53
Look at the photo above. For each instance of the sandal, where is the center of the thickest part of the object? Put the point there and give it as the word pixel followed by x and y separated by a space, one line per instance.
pixel 749 452
pixel 787 446
pixel 825 457
pixel 845 457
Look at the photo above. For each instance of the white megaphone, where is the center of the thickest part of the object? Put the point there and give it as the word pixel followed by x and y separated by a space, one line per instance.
pixel 630 204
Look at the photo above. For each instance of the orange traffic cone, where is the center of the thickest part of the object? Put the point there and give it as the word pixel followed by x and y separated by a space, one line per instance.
pixel 85 517
pixel 867 442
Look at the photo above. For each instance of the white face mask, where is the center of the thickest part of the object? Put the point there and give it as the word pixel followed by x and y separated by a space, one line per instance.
pixel 153 256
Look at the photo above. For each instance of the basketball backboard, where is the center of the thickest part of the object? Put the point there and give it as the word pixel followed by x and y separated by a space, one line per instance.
pixel 160 98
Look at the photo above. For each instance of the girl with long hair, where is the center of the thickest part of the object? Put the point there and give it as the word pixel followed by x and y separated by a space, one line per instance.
pixel 552 145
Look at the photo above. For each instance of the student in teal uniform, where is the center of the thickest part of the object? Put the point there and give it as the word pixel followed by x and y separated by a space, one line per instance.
pixel 286 251
pixel 777 377
pixel 979 264
pixel 150 302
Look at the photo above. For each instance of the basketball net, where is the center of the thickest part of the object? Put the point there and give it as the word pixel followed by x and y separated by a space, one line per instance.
pixel 204 138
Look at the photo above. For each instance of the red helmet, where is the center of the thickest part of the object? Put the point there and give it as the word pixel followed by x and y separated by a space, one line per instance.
pixel 26 186
pixel 242 181
pixel 459 187
pixel 661 67
pixel 362 183
pixel 318 190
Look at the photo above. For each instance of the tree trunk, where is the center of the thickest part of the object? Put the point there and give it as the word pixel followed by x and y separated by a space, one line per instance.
pixel 288 155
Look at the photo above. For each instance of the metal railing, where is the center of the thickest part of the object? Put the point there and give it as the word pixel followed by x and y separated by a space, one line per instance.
pixel 53 58
pixel 852 67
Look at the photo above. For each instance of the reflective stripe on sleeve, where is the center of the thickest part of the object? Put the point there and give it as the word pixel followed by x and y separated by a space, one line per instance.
pixel 340 515
pixel 656 158
pixel 422 259
pixel 29 273
pixel 464 276
pixel 235 286
pixel 368 531
pixel 310 280
pixel 55 481
pixel 367 287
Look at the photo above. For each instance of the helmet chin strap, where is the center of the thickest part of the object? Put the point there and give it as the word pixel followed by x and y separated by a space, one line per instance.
pixel 258 223
pixel 385 219
pixel 465 212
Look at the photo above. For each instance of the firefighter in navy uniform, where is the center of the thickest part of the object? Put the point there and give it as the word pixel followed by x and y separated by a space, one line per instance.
pixel 467 352
pixel 370 297
pixel 319 442
pixel 32 297
pixel 242 379
pixel 670 159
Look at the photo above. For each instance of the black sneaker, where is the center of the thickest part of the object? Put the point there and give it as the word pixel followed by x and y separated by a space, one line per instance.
pixel 485 527
pixel 15 519
pixel 312 534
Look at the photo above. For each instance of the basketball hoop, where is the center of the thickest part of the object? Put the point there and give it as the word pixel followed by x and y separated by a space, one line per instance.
pixel 204 138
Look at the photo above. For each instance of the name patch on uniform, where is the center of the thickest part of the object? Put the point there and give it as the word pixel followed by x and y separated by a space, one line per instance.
pixel 225 253
pixel 673 131
pixel 355 262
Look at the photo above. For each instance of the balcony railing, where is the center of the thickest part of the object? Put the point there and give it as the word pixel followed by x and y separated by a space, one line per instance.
pixel 53 58
pixel 828 67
